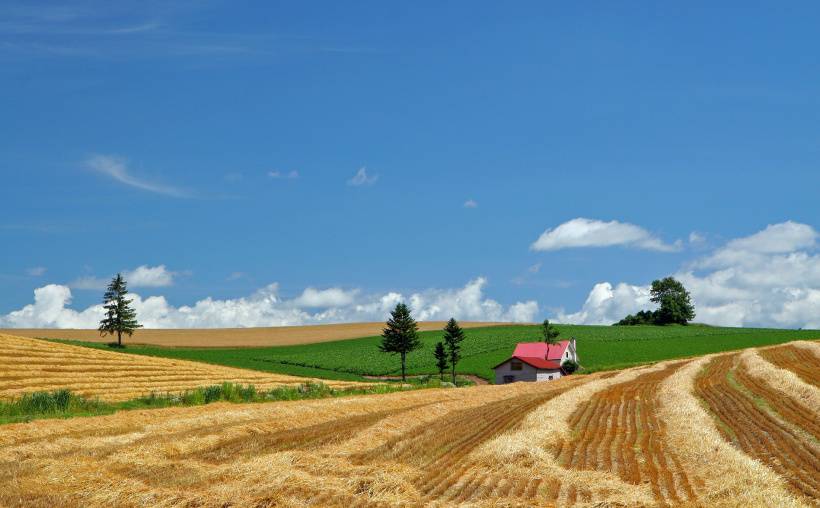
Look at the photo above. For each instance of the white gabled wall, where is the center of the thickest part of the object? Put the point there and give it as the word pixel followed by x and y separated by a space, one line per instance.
pixel 571 352
pixel 544 375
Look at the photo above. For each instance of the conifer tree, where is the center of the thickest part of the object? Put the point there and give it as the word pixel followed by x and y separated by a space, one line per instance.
pixel 119 316
pixel 400 335
pixel 441 359
pixel 453 336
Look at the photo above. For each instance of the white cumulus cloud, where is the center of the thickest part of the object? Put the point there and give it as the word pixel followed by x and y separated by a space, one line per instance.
pixel 141 276
pixel 582 232
pixel 331 297
pixel 149 276
pixel 265 307
pixel 770 278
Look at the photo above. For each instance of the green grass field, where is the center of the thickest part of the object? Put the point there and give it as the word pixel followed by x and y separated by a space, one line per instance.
pixel 599 348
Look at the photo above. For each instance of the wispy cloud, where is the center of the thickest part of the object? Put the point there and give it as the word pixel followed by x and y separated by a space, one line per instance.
pixel 281 175
pixel 36 271
pixel 471 203
pixel 362 178
pixel 117 168
pixel 144 30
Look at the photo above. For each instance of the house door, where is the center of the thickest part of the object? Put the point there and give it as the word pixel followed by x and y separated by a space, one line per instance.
pixel 509 379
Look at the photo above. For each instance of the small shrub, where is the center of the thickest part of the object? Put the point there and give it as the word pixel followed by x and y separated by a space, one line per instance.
pixel 569 366
pixel 213 393
pixel 247 393
pixel 193 398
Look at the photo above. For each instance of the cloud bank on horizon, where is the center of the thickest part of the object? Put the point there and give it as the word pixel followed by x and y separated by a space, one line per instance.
pixel 769 278
pixel 266 307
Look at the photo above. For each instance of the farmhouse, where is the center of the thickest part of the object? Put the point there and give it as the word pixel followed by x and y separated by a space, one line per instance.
pixel 535 361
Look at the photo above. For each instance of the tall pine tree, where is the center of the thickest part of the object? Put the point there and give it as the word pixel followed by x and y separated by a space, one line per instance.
pixel 400 335
pixel 453 336
pixel 441 359
pixel 119 316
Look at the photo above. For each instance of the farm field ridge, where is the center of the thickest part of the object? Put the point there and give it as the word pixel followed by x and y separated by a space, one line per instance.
pixel 599 348
pixel 235 337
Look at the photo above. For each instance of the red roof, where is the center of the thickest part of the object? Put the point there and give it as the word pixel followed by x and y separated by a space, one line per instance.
pixel 539 354
pixel 541 350
pixel 539 363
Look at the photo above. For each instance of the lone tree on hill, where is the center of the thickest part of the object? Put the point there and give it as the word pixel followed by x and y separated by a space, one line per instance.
pixel 400 335
pixel 674 305
pixel 549 332
pixel 453 336
pixel 441 359
pixel 674 300
pixel 119 316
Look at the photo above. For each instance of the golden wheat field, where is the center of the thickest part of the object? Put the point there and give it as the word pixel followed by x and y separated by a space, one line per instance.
pixel 28 365
pixel 735 429
pixel 236 337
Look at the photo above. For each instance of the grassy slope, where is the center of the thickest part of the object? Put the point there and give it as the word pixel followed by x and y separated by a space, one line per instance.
pixel 599 348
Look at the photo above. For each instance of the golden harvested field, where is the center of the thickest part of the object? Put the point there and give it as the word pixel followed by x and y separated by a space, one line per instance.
pixel 236 337
pixel 28 365
pixel 722 430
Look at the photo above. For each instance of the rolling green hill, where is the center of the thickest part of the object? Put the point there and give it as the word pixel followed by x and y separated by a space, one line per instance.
pixel 599 348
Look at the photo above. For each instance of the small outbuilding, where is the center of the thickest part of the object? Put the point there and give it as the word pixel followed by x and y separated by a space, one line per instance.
pixel 536 361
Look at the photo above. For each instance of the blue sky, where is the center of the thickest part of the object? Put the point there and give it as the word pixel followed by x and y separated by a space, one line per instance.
pixel 216 145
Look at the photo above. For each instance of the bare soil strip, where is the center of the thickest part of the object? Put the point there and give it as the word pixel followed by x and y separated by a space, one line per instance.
pixel 799 360
pixel 758 432
pixel 790 409
pixel 236 337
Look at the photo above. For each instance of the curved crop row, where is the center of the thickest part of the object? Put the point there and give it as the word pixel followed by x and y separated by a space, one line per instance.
pixel 799 360
pixel 756 430
pixel 618 430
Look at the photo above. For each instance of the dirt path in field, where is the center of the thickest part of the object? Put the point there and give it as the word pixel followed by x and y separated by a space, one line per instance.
pixel 475 379
pixel 796 359
pixel 756 431
pixel 618 431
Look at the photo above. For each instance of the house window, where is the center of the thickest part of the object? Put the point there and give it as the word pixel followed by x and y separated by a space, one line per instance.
pixel 550 378
pixel 516 365
pixel 509 379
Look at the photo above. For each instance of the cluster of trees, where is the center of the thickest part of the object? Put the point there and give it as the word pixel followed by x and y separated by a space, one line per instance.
pixel 400 336
pixel 674 301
